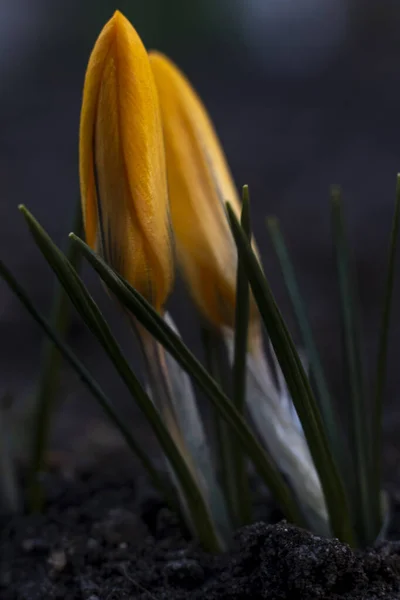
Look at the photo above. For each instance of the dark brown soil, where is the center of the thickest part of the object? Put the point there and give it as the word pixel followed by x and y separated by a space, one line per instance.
pixel 97 542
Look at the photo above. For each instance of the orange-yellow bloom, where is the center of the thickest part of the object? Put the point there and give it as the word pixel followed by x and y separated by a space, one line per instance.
pixel 199 183
pixel 122 163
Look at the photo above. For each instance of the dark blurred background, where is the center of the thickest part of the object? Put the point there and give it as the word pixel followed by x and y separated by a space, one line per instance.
pixel 303 94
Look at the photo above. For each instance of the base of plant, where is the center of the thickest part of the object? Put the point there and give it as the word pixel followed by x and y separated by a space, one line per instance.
pixel 101 538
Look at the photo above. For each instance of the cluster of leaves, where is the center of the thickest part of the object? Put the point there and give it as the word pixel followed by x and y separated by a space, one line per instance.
pixel 350 473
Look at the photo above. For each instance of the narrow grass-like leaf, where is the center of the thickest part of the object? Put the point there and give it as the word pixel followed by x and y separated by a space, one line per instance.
pixel 225 441
pixel 88 309
pixel 324 397
pixel 10 493
pixel 241 317
pixel 150 319
pixel 242 492
pixel 298 385
pixel 359 422
pixel 213 366
pixel 381 366
pixel 49 376
pixel 92 385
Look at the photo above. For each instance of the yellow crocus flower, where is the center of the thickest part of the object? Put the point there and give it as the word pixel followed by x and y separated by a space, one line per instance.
pixel 122 163
pixel 199 183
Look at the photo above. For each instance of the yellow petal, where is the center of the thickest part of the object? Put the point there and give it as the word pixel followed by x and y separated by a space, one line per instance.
pixel 199 183
pixel 122 163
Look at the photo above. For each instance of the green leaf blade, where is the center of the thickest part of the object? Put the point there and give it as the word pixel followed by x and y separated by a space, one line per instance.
pixel 149 318
pixel 94 320
pixel 381 366
pixel 90 383
pixel 359 437
pixel 242 491
pixel 48 379
pixel 324 397
pixel 298 385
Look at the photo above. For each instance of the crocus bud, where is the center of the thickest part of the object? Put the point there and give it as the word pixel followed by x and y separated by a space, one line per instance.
pixel 122 163
pixel 200 184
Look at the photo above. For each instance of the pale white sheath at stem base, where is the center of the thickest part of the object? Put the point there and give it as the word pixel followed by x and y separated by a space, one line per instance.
pixel 172 392
pixel 277 424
